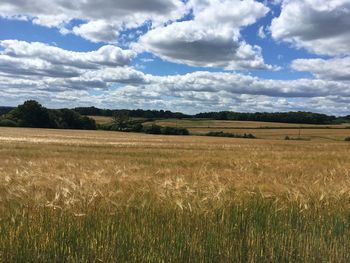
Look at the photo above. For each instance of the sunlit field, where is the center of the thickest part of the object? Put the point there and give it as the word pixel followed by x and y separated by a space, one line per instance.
pixel 262 130
pixel 94 196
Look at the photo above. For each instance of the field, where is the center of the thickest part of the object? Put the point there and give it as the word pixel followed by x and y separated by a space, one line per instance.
pixel 102 119
pixel 95 196
pixel 262 130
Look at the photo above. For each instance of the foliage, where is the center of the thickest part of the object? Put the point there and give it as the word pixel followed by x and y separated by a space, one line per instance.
pixel 68 119
pixel 287 138
pixel 148 114
pixel 230 135
pixel 121 120
pixel 286 117
pixel 156 129
pixel 32 114
pixel 152 129
pixel 174 131
pixel 4 110
pixel 347 139
pixel 7 123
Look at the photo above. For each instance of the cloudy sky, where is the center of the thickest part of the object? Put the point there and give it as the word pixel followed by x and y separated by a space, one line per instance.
pixel 189 56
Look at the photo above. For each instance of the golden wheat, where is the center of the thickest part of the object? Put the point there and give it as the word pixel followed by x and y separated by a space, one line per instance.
pixel 73 169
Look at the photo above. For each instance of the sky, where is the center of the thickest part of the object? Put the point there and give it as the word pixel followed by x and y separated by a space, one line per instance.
pixel 181 55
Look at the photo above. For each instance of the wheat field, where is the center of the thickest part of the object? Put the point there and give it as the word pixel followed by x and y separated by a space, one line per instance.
pixel 94 196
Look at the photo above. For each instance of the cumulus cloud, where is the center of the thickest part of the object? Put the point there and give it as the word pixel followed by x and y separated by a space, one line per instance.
pixel 37 59
pixel 36 65
pixel 108 15
pixel 332 69
pixel 244 84
pixel 43 67
pixel 98 31
pixel 212 38
pixel 125 87
pixel 322 27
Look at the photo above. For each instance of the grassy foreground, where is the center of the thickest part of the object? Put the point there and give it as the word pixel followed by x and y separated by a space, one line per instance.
pixel 85 196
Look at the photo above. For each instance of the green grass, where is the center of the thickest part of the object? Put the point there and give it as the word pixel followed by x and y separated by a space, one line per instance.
pixel 253 231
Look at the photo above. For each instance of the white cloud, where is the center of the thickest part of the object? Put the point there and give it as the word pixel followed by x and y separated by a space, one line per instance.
pixel 244 84
pixel 198 91
pixel 98 31
pixel 212 38
pixel 333 69
pixel 322 27
pixel 103 78
pixel 110 15
pixel 57 69
pixel 261 32
pixel 105 56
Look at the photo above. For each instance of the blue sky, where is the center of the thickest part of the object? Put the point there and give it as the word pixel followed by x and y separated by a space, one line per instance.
pixel 198 55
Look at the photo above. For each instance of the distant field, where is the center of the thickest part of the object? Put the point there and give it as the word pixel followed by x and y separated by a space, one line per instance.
pixel 214 124
pixel 262 130
pixel 102 119
pixel 94 196
pixel 106 119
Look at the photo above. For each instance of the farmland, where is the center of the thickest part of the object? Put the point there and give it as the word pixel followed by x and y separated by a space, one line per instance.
pixel 262 130
pixel 96 196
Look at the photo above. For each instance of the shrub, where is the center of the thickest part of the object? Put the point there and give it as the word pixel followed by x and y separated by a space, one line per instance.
pixel 230 135
pixel 8 123
pixel 69 119
pixel 347 139
pixel 174 131
pixel 153 129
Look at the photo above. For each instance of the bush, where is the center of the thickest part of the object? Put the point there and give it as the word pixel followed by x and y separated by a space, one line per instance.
pixel 287 138
pixel 68 119
pixel 347 139
pixel 133 128
pixel 8 123
pixel 174 131
pixel 230 135
pixel 153 129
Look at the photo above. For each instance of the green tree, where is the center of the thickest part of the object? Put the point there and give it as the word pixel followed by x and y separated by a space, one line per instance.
pixel 32 114
pixel 121 119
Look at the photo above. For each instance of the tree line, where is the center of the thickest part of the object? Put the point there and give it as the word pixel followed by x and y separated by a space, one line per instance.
pixel 139 113
pixel 74 117
pixel 34 115
pixel 284 117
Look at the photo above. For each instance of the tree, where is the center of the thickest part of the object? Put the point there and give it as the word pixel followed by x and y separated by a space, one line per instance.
pixel 121 119
pixel 32 114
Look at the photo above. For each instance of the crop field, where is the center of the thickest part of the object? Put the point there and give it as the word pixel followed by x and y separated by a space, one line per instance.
pixel 102 119
pixel 262 130
pixel 208 123
pixel 96 196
